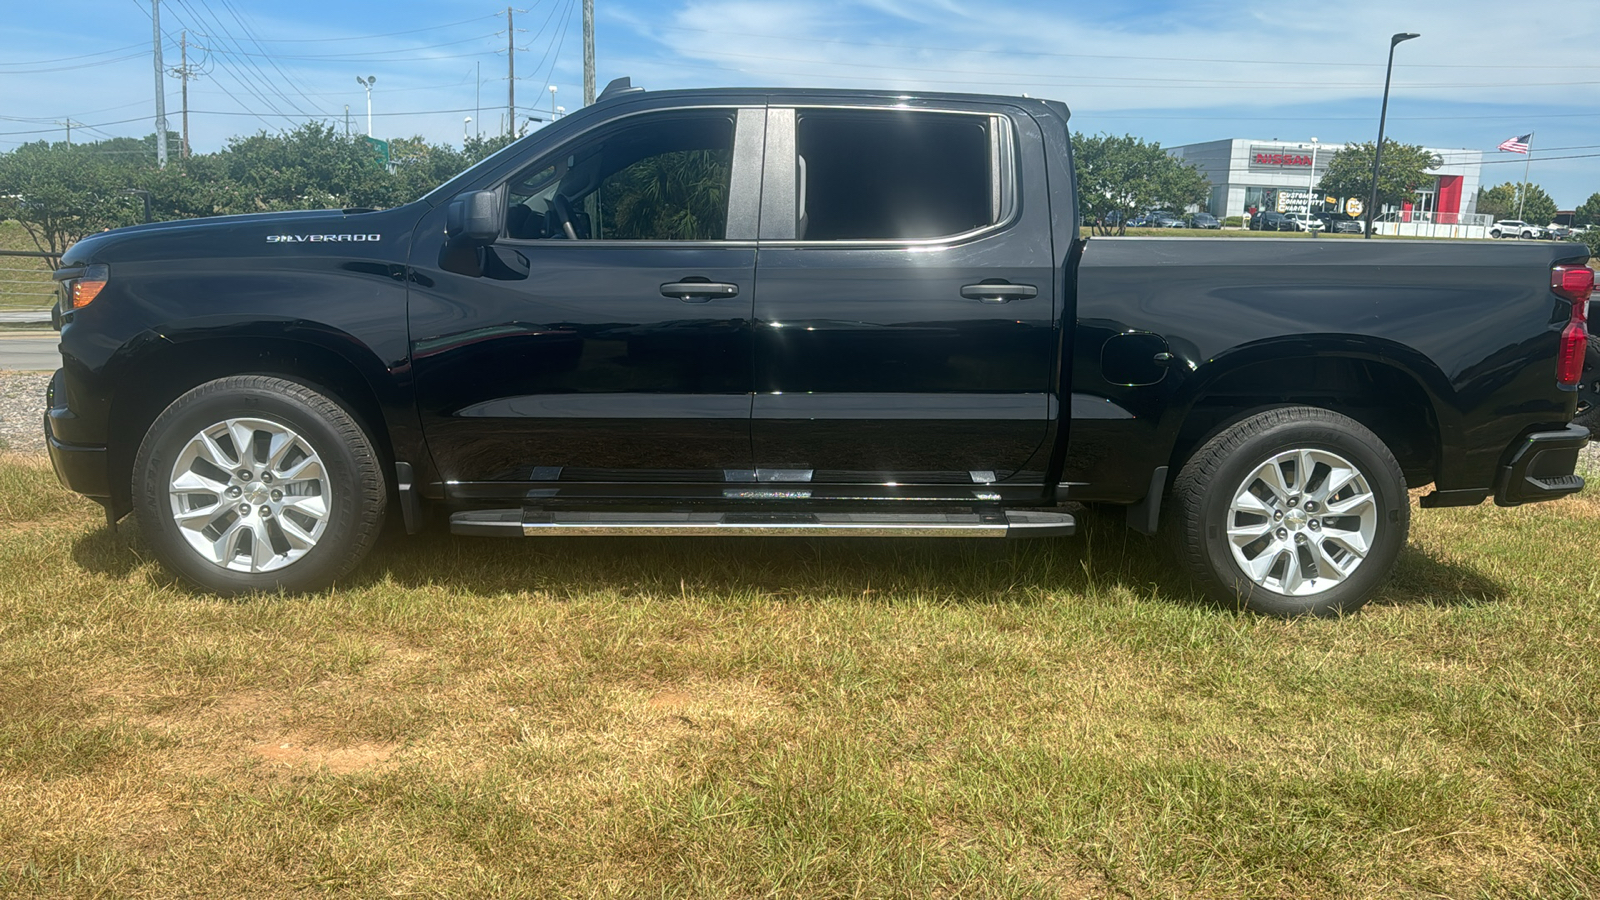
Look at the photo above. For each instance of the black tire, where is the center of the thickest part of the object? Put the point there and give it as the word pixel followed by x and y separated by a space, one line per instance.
pixel 356 493
pixel 1206 486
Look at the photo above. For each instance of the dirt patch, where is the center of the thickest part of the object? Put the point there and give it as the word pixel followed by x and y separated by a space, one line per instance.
pixel 292 755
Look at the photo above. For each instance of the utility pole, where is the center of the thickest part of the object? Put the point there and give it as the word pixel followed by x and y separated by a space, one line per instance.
pixel 161 87
pixel 588 52
pixel 347 121
pixel 511 75
pixel 69 123
pixel 184 72
pixel 477 112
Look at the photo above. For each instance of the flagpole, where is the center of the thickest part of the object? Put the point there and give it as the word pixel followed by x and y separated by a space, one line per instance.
pixel 1522 198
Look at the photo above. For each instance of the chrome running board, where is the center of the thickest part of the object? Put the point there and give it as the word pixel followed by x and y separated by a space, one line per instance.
pixel 986 524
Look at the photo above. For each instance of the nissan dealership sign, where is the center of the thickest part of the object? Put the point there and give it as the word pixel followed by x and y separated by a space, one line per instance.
pixel 1279 158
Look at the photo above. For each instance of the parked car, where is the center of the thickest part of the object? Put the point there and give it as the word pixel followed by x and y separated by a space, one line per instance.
pixel 1557 232
pixel 1167 220
pixel 773 355
pixel 1347 226
pixel 1205 220
pixel 1515 228
pixel 1304 222
pixel 1271 221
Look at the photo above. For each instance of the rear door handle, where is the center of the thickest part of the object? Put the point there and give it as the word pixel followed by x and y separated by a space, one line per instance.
pixel 698 291
pixel 998 293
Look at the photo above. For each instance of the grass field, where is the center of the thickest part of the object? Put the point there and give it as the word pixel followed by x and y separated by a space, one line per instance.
pixel 24 281
pixel 676 718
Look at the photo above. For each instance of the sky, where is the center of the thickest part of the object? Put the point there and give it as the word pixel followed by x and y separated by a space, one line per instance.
pixel 1170 71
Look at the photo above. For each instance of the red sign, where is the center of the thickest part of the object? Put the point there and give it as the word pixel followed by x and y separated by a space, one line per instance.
pixel 1282 159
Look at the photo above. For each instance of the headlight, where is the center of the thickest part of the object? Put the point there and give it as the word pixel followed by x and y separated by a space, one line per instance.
pixel 83 289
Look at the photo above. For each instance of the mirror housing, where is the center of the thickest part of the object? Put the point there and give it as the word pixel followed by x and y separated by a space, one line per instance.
pixel 475 219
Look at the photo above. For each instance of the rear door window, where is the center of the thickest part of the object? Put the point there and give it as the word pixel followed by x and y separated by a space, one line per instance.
pixel 897 174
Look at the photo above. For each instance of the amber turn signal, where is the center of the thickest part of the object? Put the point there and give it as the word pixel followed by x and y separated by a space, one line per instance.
pixel 89 285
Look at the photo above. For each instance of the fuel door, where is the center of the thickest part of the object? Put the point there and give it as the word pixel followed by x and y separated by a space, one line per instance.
pixel 1134 358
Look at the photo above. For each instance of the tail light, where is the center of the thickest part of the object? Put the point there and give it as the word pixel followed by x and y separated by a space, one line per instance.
pixel 1574 284
pixel 88 286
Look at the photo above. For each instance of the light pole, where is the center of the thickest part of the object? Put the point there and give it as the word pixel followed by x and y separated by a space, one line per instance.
pixel 367 83
pixel 464 123
pixel 552 102
pixel 1311 189
pixel 1377 155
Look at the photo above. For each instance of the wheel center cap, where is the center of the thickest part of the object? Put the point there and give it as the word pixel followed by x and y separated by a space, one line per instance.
pixel 1295 518
pixel 258 492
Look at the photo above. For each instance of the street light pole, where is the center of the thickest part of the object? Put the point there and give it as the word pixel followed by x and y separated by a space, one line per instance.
pixel 1311 189
pixel 367 83
pixel 552 103
pixel 464 123
pixel 1377 155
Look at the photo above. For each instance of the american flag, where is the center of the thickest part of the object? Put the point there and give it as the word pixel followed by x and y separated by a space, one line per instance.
pixel 1517 144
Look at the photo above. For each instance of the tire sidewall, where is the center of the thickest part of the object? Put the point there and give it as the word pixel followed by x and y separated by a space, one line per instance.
pixel 1383 477
pixel 201 409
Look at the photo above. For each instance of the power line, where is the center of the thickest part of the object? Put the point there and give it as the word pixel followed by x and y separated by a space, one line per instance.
pixel 365 55
pixel 368 37
pixel 106 62
pixel 40 62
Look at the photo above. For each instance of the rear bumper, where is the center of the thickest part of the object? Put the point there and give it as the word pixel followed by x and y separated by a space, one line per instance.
pixel 1543 466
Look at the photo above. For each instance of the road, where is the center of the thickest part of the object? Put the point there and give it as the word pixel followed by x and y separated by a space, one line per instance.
pixel 30 352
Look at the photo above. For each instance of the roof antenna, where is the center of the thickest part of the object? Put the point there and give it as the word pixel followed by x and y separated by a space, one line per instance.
pixel 617 88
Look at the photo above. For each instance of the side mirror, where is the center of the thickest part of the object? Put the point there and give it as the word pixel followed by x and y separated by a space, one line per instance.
pixel 475 219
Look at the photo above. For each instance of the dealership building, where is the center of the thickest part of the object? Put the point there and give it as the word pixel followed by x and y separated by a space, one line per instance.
pixel 1277 176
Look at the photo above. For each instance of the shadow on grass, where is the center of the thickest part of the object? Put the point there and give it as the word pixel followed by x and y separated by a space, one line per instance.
pixel 1104 560
pixel 1422 578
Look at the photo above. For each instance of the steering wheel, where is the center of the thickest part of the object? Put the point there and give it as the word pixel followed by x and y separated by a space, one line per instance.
pixel 563 211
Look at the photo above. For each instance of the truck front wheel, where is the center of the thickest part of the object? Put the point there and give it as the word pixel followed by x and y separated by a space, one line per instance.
pixel 1293 511
pixel 255 483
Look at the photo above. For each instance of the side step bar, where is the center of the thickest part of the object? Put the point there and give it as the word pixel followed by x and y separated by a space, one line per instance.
pixel 987 524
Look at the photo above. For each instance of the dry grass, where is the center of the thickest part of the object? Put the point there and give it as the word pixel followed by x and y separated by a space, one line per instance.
pixel 674 718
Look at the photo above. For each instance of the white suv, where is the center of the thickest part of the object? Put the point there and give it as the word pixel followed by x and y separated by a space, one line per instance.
pixel 1513 228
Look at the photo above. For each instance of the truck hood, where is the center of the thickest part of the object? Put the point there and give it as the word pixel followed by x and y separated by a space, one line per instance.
pixel 250 234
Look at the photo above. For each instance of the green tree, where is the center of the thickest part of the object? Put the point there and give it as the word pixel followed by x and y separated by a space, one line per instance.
pixel 1537 206
pixel 1405 168
pixel 61 194
pixel 681 195
pixel 1589 212
pixel 1503 201
pixel 1498 202
pixel 311 167
pixel 1125 175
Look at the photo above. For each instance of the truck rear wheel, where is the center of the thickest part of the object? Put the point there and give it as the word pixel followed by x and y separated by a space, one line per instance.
pixel 1293 511
pixel 254 483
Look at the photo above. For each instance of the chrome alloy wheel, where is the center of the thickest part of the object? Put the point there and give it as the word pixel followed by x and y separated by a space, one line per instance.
pixel 250 495
pixel 1302 522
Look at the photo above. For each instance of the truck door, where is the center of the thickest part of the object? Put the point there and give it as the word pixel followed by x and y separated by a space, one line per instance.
pixel 903 320
pixel 608 338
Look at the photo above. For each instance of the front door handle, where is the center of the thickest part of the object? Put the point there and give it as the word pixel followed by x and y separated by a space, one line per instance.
pixel 998 293
pixel 698 291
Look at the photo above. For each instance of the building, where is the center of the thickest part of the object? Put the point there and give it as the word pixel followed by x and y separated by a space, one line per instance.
pixel 1277 176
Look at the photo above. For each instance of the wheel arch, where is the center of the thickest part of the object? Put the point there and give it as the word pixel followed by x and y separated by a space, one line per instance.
pixel 154 372
pixel 1393 390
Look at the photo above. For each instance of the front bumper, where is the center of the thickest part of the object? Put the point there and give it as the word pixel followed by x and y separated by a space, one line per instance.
pixel 1542 467
pixel 82 468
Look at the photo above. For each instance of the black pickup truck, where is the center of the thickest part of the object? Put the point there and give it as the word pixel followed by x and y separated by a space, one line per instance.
pixel 795 312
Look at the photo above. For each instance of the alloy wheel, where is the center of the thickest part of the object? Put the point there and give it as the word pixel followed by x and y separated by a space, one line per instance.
pixel 1302 522
pixel 250 495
